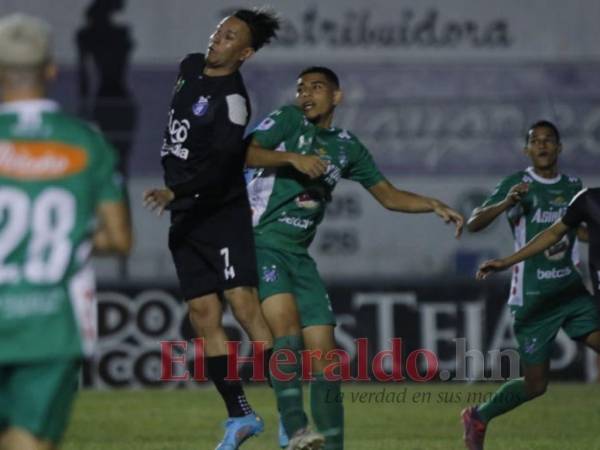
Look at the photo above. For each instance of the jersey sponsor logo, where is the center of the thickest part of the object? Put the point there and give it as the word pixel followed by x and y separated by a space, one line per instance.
pixel 553 274
pixel 297 222
pixel 178 134
pixel 40 160
pixel 270 273
pixel 559 201
pixel 541 216
pixel 201 106
pixel 558 250
pixel 305 201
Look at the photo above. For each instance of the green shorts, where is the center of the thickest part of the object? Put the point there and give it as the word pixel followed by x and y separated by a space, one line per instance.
pixel 296 274
pixel 535 336
pixel 37 397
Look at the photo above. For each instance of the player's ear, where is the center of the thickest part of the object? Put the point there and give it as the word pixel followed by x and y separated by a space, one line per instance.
pixel 247 53
pixel 338 95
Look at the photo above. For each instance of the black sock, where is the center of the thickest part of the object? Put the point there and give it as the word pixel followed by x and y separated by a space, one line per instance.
pixel 232 392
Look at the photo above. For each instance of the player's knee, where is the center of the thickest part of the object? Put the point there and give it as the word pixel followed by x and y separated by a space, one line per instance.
pixel 204 314
pixel 537 388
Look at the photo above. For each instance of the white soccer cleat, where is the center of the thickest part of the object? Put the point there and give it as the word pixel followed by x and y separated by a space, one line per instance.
pixel 306 439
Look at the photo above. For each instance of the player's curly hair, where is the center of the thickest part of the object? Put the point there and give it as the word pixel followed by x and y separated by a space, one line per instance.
pixel 263 24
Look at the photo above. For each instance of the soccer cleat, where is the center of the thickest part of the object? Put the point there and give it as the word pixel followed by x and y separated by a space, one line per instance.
pixel 238 429
pixel 474 429
pixel 305 439
pixel 284 440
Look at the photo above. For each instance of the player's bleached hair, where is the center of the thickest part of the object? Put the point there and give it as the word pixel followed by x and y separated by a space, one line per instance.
pixel 263 24
pixel 326 71
pixel 543 124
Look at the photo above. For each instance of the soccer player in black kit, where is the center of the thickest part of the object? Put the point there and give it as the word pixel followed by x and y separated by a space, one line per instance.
pixel 211 236
pixel 584 208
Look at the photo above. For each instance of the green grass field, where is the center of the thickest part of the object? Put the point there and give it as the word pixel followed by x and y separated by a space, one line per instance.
pixel 412 417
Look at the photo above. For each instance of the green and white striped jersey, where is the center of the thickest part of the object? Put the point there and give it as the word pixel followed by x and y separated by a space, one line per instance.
pixel 287 206
pixel 545 276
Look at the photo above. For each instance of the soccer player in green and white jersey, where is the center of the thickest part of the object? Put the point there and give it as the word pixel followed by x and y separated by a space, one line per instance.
pixel 303 157
pixel 57 176
pixel 547 292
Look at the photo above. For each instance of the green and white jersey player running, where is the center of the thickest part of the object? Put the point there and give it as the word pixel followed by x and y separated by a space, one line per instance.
pixel 302 158
pixel 547 292
pixel 57 176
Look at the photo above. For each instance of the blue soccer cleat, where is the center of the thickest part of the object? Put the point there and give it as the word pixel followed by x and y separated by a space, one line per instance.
pixel 238 429
pixel 284 440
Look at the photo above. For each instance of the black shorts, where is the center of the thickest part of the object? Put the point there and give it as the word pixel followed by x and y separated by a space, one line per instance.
pixel 213 250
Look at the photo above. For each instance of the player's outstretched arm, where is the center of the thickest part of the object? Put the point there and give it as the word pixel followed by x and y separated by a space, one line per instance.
pixel 482 217
pixel 539 243
pixel 310 165
pixel 396 200
pixel 113 234
pixel 157 199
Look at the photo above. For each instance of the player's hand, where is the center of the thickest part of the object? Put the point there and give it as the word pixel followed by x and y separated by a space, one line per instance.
pixel 157 199
pixel 449 215
pixel 488 267
pixel 516 193
pixel 310 165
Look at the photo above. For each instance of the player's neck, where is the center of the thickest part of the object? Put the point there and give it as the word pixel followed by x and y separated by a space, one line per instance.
pixel 325 121
pixel 30 93
pixel 550 172
pixel 221 71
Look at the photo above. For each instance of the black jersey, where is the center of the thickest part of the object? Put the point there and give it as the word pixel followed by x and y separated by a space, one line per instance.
pixel 203 149
pixel 585 207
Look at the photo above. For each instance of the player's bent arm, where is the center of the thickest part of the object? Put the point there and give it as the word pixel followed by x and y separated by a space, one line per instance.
pixel 482 217
pixel 539 243
pixel 311 165
pixel 114 229
pixel 257 156
pixel 396 200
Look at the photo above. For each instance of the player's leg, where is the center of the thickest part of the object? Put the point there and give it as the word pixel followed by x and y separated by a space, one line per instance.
pixel 592 340
pixel 325 394
pixel 41 397
pixel 279 309
pixel 535 339
pixel 318 321
pixel 18 439
pixel 247 311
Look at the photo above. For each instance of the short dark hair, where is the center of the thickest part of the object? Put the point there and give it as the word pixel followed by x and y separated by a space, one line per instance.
pixel 327 72
pixel 543 124
pixel 263 24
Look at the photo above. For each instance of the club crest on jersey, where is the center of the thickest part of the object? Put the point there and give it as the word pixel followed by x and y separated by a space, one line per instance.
pixel 559 201
pixel 269 273
pixel 199 108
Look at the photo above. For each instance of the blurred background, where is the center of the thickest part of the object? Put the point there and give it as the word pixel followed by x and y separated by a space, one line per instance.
pixel 441 92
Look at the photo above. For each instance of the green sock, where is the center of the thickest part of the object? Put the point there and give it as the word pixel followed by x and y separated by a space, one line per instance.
pixel 328 411
pixel 289 393
pixel 509 396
